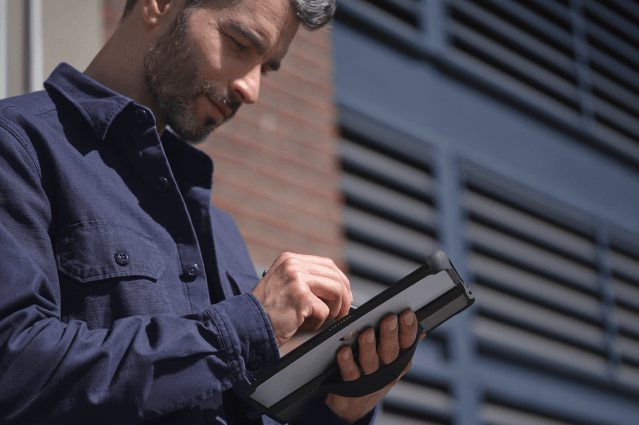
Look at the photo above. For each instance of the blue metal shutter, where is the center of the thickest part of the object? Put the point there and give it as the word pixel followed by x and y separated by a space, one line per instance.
pixel 612 34
pixel 576 61
pixel 525 47
pixel 391 225
pixel 624 267
pixel 543 274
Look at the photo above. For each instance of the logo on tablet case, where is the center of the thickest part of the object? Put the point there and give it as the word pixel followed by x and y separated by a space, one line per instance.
pixel 351 335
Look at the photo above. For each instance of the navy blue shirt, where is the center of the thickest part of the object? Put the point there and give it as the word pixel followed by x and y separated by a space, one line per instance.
pixel 124 294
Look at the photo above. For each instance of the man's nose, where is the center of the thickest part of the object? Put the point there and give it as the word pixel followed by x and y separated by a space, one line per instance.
pixel 247 87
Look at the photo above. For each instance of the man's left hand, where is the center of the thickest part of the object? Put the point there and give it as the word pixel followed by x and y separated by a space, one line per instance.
pixel 392 338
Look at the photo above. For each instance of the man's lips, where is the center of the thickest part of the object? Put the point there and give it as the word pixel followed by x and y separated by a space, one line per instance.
pixel 221 108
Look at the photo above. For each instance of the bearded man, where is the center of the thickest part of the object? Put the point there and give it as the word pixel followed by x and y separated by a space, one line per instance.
pixel 125 297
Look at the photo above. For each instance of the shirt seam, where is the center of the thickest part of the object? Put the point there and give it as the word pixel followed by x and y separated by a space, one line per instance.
pixel 44 111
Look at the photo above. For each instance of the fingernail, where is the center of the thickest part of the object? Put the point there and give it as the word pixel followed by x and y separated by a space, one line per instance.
pixel 346 354
pixel 393 324
pixel 370 337
pixel 408 319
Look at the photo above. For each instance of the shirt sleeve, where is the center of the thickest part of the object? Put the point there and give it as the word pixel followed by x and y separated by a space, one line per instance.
pixel 142 367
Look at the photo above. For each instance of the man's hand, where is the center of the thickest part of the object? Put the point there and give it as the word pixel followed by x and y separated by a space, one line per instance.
pixel 300 292
pixel 391 339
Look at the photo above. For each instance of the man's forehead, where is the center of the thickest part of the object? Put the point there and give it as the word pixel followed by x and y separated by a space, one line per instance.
pixel 267 24
pixel 267 14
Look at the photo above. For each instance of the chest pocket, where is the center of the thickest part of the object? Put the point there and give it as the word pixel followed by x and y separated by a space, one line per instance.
pixel 108 272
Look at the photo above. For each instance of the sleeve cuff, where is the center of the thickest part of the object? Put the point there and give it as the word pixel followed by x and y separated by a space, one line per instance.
pixel 247 334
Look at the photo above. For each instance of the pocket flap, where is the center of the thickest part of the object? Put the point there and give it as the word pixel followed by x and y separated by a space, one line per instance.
pixel 242 282
pixel 100 250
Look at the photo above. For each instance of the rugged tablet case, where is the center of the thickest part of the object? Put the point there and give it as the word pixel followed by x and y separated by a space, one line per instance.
pixel 454 300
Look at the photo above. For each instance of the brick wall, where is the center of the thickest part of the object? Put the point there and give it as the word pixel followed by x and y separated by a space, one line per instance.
pixel 276 162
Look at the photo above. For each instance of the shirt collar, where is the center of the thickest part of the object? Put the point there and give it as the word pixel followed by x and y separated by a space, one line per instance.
pixel 98 104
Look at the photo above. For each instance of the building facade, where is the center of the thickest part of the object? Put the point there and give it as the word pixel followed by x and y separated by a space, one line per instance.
pixel 505 132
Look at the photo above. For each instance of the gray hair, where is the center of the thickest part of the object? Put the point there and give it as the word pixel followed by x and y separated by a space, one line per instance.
pixel 312 14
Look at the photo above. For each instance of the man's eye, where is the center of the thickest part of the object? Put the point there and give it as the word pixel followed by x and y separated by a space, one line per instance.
pixel 240 46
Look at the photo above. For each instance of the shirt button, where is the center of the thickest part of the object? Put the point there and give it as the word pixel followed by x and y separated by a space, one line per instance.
pixel 254 363
pixel 192 270
pixel 161 184
pixel 140 115
pixel 122 258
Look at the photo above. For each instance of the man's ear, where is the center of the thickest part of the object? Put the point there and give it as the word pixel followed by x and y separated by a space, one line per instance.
pixel 154 11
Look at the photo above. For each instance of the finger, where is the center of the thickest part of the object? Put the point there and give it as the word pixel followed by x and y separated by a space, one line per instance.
pixel 422 336
pixel 316 317
pixel 347 300
pixel 329 291
pixel 347 366
pixel 327 268
pixel 368 358
pixel 388 344
pixel 407 329
pixel 296 272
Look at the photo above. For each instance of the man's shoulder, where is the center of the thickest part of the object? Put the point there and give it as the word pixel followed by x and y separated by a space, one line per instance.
pixel 27 105
pixel 21 112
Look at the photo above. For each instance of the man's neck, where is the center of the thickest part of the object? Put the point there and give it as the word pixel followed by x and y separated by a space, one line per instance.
pixel 119 66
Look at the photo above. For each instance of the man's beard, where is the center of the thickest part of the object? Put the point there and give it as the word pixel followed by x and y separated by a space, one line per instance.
pixel 171 73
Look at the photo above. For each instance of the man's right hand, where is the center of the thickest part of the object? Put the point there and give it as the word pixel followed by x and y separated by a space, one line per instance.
pixel 300 292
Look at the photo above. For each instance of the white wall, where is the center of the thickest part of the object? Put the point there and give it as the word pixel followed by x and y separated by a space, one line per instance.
pixel 72 32
pixel 63 31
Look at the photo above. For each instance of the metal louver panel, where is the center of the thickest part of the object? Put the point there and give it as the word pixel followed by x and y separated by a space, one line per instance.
pixel 536 279
pixel 529 42
pixel 530 226
pixel 400 20
pixel 575 62
pixel 535 287
pixel 404 11
pixel 373 262
pixel 389 218
pixel 624 263
pixel 546 320
pixel 514 340
pixel 390 222
pixel 410 403
pixel 613 38
pixel 532 256
pixel 499 414
pixel 387 201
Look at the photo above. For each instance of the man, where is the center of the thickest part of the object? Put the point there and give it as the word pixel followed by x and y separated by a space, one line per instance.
pixel 125 297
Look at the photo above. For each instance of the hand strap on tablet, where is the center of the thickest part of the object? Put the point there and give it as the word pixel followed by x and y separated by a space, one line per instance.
pixel 368 384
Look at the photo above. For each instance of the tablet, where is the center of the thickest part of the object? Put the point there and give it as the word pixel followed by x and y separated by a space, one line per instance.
pixel 434 291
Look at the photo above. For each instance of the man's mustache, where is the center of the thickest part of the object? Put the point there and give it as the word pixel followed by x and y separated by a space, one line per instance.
pixel 229 101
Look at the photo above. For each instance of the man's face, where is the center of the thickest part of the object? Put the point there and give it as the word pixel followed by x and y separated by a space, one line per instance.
pixel 211 59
